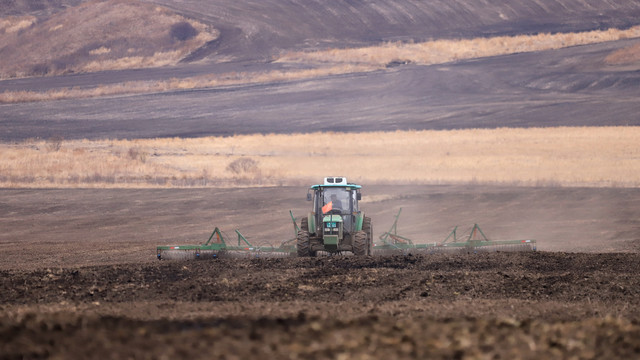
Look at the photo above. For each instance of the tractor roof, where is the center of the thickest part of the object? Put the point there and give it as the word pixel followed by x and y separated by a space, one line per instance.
pixel 351 186
pixel 336 181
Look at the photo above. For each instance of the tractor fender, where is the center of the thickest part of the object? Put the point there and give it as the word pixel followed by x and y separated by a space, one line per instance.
pixel 312 222
pixel 359 221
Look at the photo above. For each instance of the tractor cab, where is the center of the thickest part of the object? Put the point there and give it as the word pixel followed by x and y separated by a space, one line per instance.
pixel 336 196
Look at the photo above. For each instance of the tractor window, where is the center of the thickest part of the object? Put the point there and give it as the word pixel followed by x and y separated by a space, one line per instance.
pixel 339 197
pixel 316 207
pixel 354 200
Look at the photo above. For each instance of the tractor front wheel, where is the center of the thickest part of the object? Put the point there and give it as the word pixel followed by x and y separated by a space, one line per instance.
pixel 360 243
pixel 303 239
pixel 303 244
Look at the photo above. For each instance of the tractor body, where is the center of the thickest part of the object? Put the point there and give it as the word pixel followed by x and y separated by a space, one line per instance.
pixel 335 224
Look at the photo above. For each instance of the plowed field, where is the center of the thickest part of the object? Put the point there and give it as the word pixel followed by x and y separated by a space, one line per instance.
pixel 79 277
pixel 498 305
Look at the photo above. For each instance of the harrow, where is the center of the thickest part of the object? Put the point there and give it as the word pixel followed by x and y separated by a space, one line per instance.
pixel 218 247
pixel 391 243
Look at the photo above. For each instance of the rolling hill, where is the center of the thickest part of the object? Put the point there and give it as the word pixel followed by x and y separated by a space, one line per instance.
pixel 594 84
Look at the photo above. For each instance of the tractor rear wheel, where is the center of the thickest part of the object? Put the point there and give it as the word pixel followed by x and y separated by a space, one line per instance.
pixel 360 243
pixel 304 224
pixel 368 229
pixel 303 239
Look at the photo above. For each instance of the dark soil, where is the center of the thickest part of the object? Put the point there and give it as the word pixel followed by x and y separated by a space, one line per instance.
pixel 498 305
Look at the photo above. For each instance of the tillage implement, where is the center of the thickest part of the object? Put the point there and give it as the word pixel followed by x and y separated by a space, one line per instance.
pixel 476 241
pixel 217 246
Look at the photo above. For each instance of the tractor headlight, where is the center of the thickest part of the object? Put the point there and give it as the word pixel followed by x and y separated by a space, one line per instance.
pixel 331 228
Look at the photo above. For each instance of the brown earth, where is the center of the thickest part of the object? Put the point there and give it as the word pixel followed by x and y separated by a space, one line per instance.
pixel 79 277
pixel 499 305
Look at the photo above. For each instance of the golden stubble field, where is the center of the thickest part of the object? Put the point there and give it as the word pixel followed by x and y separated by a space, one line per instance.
pixel 564 156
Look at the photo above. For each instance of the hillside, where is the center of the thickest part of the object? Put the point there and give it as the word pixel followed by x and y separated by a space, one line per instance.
pixel 260 73
pixel 259 29
pixel 98 35
pixel 45 38
pixel 39 8
pixel 568 87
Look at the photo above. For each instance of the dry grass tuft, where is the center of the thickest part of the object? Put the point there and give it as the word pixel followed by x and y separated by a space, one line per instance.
pixel 589 156
pixel 243 165
pixel 13 24
pixel 98 35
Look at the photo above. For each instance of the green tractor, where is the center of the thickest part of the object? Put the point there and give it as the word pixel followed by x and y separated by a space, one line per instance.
pixel 335 223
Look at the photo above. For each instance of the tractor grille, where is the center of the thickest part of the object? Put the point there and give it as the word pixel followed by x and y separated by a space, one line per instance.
pixel 331 228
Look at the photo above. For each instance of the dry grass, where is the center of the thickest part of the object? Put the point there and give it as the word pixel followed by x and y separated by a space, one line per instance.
pixel 96 36
pixel 590 156
pixel 13 24
pixel 329 62
pixel 442 51
pixel 625 56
